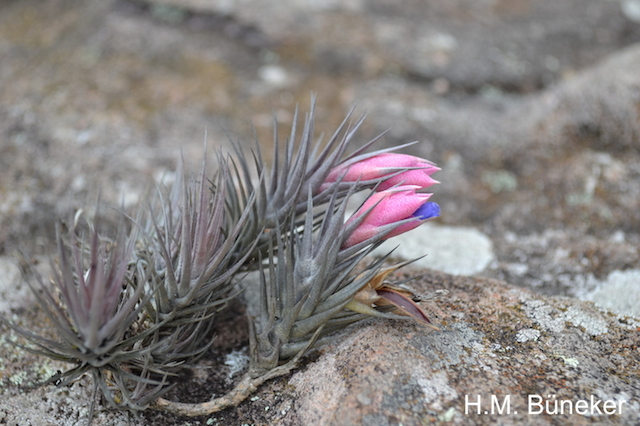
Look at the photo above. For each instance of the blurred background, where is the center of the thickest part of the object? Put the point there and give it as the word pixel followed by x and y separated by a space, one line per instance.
pixel 530 107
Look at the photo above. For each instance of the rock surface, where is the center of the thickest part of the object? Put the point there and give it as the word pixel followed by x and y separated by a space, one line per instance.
pixel 497 341
pixel 529 107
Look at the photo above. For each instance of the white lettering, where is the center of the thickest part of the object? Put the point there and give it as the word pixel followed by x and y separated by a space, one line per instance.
pixel 506 405
pixel 620 407
pixel 567 402
pixel 595 406
pixel 582 407
pixel 609 405
pixel 555 405
pixel 467 404
pixel 538 404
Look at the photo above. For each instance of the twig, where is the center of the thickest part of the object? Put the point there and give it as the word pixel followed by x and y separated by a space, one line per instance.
pixel 239 393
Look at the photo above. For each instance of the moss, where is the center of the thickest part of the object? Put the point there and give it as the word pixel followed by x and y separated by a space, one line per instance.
pixel 18 378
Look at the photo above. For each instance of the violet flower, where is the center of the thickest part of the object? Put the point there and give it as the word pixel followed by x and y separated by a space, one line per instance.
pixel 401 206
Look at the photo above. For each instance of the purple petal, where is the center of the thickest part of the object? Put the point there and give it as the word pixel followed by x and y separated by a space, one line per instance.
pixel 427 211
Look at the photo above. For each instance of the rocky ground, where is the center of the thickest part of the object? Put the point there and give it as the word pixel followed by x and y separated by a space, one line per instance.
pixel 531 109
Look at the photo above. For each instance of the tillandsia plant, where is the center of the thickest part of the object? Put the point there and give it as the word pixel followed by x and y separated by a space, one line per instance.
pixel 136 309
pixel 309 259
pixel 189 253
pixel 195 247
pixel 94 307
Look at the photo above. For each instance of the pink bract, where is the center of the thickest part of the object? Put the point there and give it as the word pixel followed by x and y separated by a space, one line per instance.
pixel 387 207
pixel 384 165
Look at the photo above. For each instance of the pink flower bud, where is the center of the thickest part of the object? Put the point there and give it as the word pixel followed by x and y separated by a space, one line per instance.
pixel 417 171
pixel 388 207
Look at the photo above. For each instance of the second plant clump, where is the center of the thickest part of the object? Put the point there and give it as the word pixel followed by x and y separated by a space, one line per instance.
pixel 134 309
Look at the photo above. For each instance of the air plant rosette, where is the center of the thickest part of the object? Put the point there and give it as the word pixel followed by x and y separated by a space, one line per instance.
pixel 136 309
